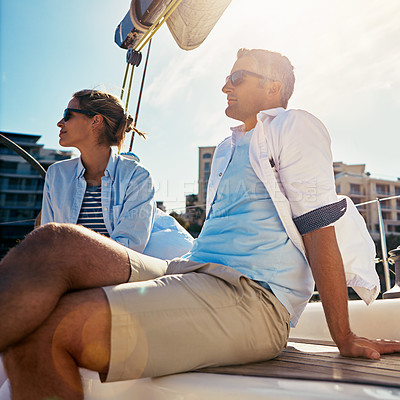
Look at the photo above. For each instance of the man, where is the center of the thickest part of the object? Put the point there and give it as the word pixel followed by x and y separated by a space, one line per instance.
pixel 228 301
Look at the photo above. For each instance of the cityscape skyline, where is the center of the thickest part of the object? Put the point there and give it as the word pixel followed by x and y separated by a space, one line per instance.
pixel 203 170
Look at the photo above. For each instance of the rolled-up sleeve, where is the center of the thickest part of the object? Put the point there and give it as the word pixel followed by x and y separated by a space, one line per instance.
pixel 320 217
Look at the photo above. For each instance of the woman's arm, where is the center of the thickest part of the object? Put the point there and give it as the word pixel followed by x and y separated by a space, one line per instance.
pixel 134 218
pixel 47 214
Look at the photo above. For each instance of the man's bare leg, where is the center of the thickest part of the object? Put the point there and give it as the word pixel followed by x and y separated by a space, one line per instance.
pixel 51 261
pixel 77 333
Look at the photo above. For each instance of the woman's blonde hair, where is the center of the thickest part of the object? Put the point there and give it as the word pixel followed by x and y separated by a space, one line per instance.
pixel 116 121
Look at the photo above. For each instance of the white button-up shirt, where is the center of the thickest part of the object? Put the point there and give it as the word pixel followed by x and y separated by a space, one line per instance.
pixel 290 152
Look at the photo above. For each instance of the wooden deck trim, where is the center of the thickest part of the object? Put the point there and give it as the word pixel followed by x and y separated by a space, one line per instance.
pixel 320 361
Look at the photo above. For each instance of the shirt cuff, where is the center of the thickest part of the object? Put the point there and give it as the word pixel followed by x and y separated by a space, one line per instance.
pixel 320 217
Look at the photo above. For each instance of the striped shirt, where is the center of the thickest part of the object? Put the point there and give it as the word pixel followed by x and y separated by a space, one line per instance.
pixel 91 214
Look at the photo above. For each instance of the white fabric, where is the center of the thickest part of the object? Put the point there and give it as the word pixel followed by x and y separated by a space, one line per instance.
pixel 301 181
pixel 168 238
pixel 358 253
pixel 193 20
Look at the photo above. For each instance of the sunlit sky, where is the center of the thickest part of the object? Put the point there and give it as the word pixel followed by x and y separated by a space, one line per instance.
pixel 346 55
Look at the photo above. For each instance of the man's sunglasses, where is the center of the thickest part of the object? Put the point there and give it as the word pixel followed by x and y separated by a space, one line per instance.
pixel 69 111
pixel 236 77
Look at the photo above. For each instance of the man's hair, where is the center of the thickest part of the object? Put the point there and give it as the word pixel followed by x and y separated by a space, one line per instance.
pixel 273 66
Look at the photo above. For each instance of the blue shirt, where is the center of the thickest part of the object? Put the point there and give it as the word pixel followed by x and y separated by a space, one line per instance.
pixel 128 205
pixel 243 231
pixel 127 198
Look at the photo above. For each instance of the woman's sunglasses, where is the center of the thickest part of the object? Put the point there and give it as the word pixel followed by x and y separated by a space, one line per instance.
pixel 236 77
pixel 69 111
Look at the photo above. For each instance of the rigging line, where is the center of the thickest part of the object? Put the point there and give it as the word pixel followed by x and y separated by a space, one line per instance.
pixel 146 38
pixel 124 82
pixel 378 200
pixel 140 95
pixel 185 208
pixel 16 222
pixel 157 24
pixel 390 198
pixel 129 88
pixel 32 220
pixel 24 154
pixel 149 34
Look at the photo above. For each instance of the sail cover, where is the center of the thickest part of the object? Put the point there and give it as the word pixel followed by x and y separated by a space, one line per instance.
pixel 189 24
pixel 193 20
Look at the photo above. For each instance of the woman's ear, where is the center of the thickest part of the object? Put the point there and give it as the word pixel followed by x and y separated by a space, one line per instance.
pixel 97 121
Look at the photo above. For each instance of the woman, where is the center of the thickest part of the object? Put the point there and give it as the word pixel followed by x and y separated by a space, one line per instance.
pixel 102 190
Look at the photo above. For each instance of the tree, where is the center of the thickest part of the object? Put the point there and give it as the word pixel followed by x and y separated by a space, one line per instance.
pixel 180 219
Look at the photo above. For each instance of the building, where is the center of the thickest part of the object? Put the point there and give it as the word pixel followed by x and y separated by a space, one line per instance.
pixel 21 187
pixel 353 181
pixel 196 204
pixel 206 155
pixel 160 205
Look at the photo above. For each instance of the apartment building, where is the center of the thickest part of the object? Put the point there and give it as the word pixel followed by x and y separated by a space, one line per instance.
pixel 196 204
pixel 21 186
pixel 206 155
pixel 353 181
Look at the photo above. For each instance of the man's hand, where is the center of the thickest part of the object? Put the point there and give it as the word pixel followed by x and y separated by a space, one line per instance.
pixel 355 346
pixel 327 268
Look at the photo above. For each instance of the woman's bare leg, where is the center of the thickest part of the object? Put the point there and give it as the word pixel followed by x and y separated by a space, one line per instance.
pixel 51 261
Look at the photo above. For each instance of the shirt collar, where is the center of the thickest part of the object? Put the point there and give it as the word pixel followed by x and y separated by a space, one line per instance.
pixel 239 131
pixel 112 164
pixel 80 169
pixel 110 169
pixel 272 112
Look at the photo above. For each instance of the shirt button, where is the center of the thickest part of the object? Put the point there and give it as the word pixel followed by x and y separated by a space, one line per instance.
pixel 220 174
pixel 105 208
pixel 106 184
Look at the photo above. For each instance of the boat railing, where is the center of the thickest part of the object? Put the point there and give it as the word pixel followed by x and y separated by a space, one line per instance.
pixel 394 254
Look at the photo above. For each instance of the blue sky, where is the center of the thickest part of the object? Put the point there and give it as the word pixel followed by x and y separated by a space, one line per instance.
pixel 346 55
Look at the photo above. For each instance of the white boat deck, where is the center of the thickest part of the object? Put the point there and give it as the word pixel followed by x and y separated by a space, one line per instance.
pixel 317 369
pixel 310 368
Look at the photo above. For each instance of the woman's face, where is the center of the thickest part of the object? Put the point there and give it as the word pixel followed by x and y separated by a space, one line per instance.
pixel 76 131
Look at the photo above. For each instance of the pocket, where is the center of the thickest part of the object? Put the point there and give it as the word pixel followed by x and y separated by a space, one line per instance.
pixel 116 212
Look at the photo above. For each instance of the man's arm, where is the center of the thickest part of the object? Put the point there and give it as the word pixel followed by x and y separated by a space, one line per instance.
pixel 327 268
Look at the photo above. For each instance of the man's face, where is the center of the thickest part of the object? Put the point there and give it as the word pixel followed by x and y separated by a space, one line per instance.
pixel 248 98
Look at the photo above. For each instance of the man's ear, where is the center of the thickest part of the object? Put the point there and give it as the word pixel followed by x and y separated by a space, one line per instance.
pixel 274 88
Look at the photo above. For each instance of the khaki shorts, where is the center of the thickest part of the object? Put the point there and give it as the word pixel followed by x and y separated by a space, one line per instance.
pixel 194 316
